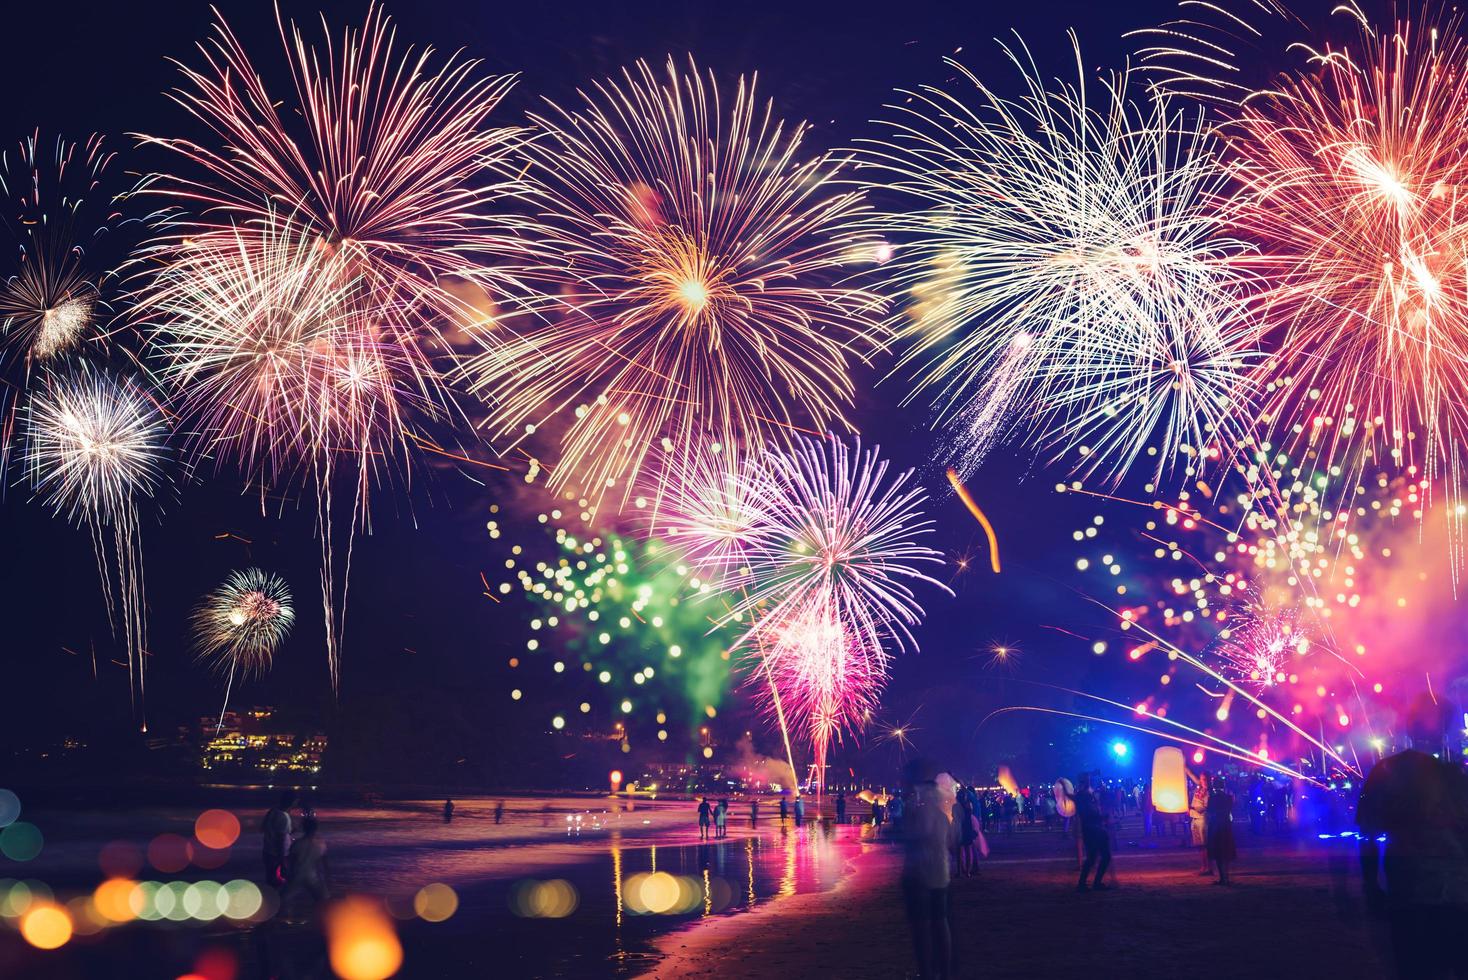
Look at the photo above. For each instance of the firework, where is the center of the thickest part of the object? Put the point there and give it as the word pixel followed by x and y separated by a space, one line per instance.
pixel 613 626
pixel 1352 173
pixel 826 581
pixel 70 239
pixel 695 245
pixel 94 450
pixel 387 160
pixel 1282 596
pixel 285 369
pixel 1213 52
pixel 241 624
pixel 1073 280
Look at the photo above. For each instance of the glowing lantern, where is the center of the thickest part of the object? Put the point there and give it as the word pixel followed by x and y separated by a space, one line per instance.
pixel 1169 780
pixel 1065 803
pixel 616 779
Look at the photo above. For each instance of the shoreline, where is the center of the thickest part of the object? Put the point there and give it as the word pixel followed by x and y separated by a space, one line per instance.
pixel 689 952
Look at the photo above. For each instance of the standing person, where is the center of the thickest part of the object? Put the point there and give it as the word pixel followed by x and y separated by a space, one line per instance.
pixel 967 822
pixel 784 808
pixel 878 813
pixel 754 812
pixel 499 811
pixel 895 811
pixel 841 807
pixel 704 812
pixel 276 831
pixel 1148 808
pixel 448 811
pixel 721 819
pixel 799 810
pixel 1198 823
pixel 1222 849
pixel 927 837
pixel 307 866
pixel 1420 804
pixel 1092 821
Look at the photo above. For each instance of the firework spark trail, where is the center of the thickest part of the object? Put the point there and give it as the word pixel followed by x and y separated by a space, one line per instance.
pixel 94 449
pixel 1223 748
pixel 386 158
pixel 1086 274
pixel 713 510
pixel 974 509
pixel 1205 53
pixel 239 625
pixel 69 237
pixel 825 578
pixel 691 298
pixel 360 202
pixel 1352 174
pixel 283 369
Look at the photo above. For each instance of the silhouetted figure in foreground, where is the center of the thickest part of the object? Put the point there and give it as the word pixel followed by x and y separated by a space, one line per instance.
pixel 276 830
pixel 927 837
pixel 1094 835
pixel 1420 804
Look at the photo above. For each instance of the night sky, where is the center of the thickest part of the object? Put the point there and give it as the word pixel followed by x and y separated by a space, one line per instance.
pixel 422 643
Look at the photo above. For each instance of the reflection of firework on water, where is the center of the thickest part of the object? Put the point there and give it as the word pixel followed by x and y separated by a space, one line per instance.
pixel 69 236
pixel 825 580
pixel 286 370
pixel 94 450
pixel 1088 293
pixel 695 245
pixel 1354 202
pixel 614 627
pixel 240 625
pixel 384 159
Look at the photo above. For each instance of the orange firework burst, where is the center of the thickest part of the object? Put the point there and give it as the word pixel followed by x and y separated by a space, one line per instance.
pixel 693 294
pixel 1352 175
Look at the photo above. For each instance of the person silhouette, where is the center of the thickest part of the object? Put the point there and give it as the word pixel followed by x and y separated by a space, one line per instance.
pixel 1418 805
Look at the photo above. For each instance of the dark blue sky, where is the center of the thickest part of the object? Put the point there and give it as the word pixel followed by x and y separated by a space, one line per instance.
pixel 75 68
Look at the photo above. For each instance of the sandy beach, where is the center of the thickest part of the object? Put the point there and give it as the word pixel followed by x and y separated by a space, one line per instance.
pixel 1294 911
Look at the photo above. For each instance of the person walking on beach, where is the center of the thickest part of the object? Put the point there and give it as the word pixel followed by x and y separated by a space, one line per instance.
pixel 1222 849
pixel 307 867
pixel 499 811
pixel 721 819
pixel 1420 805
pixel 704 811
pixel 276 831
pixel 1198 824
pixel 928 835
pixel 799 810
pixel 1093 835
pixel 784 809
pixel 754 812
pixel 841 807
pixel 448 811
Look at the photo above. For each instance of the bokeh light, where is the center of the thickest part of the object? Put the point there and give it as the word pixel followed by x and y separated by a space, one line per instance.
pixel 435 902
pixel 113 899
pixel 169 853
pixel 9 808
pixel 21 841
pixel 553 899
pixel 217 829
pixel 46 926
pixel 361 940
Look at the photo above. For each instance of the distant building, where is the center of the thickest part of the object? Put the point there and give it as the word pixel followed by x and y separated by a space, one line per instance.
pixel 253 741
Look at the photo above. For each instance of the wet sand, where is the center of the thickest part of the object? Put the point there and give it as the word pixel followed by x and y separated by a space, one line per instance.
pixel 1294 911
